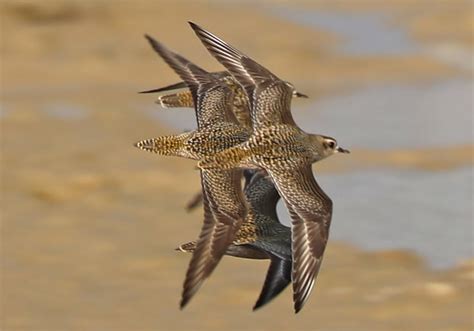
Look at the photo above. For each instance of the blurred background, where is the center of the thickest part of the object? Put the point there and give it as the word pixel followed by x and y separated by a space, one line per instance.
pixel 90 223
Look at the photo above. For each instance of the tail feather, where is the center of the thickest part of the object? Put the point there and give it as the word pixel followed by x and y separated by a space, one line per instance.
pixel 188 247
pixel 176 100
pixel 173 145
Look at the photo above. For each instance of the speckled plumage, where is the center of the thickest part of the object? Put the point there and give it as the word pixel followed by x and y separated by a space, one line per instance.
pixel 286 152
pixel 183 99
pixel 262 236
pixel 217 129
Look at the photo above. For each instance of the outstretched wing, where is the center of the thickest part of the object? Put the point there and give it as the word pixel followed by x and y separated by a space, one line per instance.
pixel 224 211
pixel 181 85
pixel 269 96
pixel 310 210
pixel 167 88
pixel 277 279
pixel 262 197
pixel 211 97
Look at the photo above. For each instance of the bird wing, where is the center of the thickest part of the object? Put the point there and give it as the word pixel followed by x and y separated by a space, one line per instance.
pixel 261 223
pixel 224 211
pixel 262 196
pixel 211 97
pixel 167 88
pixel 310 210
pixel 269 96
pixel 277 279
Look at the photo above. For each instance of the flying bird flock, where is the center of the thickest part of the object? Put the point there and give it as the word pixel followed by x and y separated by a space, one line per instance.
pixel 246 136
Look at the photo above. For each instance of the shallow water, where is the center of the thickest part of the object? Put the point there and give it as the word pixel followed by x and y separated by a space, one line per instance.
pixel 428 212
pixel 395 116
pixel 385 117
pixel 363 33
pixel 370 207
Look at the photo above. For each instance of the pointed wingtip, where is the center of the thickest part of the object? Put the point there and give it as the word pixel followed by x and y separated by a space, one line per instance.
pixel 301 95
pixel 156 45
pixel 151 40
pixel 261 301
pixel 182 305
pixel 197 29
pixel 297 307
pixel 184 302
pixel 193 25
pixel 299 300
pixel 148 91
pixel 257 306
pixel 148 37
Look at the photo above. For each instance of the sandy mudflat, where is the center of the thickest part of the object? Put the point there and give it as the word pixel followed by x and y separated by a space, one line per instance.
pixel 89 223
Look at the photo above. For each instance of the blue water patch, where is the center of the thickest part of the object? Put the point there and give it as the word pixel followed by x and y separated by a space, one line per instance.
pixel 430 213
pixel 395 116
pixel 363 33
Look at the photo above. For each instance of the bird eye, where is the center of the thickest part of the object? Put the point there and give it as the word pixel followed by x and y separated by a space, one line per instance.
pixel 331 144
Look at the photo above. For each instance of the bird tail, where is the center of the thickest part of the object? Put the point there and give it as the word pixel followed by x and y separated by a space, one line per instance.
pixel 182 99
pixel 188 247
pixel 173 145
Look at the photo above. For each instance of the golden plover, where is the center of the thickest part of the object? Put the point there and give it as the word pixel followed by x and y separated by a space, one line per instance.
pixel 217 129
pixel 262 236
pixel 286 152
pixel 184 99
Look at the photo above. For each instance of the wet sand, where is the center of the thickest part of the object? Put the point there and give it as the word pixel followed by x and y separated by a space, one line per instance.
pixel 89 223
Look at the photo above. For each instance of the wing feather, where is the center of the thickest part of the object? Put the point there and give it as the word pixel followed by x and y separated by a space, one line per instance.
pixel 224 211
pixel 269 96
pixel 211 96
pixel 277 279
pixel 310 210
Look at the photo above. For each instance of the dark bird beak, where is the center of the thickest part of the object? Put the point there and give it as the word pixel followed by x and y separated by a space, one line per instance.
pixel 300 95
pixel 342 150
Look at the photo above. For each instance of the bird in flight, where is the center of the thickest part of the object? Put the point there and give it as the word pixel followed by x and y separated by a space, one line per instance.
pixel 286 152
pixel 225 207
pixel 184 98
pixel 261 236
